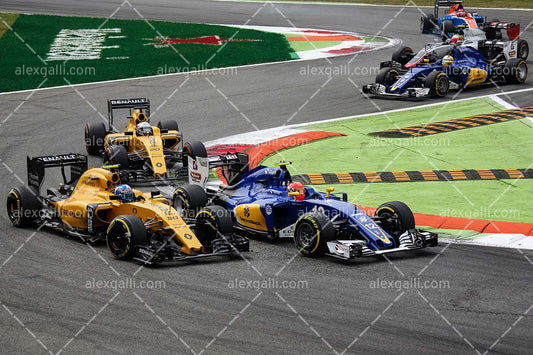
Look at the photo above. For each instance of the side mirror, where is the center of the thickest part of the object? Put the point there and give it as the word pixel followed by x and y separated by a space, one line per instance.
pixel 294 194
pixel 329 190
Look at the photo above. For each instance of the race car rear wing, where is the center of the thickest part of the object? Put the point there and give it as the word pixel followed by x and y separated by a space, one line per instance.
pixel 37 165
pixel 142 104
pixel 513 29
pixel 445 3
pixel 230 167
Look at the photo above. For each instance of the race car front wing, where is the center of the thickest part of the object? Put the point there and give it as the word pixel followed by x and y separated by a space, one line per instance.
pixel 410 240
pixel 381 90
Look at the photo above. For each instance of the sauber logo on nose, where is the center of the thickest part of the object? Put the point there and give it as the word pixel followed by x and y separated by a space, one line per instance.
pixel 213 40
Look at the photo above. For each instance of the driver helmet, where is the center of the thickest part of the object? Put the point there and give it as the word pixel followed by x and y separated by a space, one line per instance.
pixel 456 38
pixel 125 192
pixel 297 187
pixel 447 60
pixel 144 129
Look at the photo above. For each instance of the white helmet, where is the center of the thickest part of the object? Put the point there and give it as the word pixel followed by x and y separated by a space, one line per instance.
pixel 144 129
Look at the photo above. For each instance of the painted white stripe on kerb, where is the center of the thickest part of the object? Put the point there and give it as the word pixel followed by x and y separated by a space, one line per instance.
pixel 516 241
pixel 256 137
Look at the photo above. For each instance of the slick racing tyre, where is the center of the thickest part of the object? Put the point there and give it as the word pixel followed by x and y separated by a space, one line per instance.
pixel 311 234
pixel 522 49
pixel 387 76
pixel 123 234
pixel 446 28
pixel 23 206
pixel 188 200
pixel 403 55
pixel 193 149
pixel 94 137
pixel 438 84
pixel 515 71
pixel 116 155
pixel 213 222
pixel 171 125
pixel 427 23
pixel 398 218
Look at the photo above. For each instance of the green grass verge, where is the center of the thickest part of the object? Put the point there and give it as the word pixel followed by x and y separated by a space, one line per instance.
pixel 125 53
pixel 497 146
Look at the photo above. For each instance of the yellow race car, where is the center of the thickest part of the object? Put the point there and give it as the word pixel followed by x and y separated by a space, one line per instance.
pixel 93 205
pixel 148 153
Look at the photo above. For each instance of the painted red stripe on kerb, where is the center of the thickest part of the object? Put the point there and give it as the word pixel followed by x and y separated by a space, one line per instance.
pixel 257 153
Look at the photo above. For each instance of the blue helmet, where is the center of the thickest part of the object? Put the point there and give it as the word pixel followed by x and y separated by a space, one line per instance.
pixel 125 192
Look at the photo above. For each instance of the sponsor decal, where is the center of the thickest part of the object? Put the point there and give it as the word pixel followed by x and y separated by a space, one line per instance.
pixel 80 44
pixel 268 209
pixel 342 249
pixel 187 236
pixel 209 40
pixel 246 212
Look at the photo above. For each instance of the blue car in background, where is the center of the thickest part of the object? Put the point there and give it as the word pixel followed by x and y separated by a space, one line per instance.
pixel 320 223
pixel 456 17
pixel 438 68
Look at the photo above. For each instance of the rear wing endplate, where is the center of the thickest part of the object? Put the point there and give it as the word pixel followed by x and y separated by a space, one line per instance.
pixel 444 3
pixel 232 166
pixel 37 165
pixel 142 104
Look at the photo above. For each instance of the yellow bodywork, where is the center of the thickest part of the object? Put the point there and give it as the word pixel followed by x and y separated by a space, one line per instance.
pixel 95 187
pixel 250 215
pixel 476 76
pixel 151 147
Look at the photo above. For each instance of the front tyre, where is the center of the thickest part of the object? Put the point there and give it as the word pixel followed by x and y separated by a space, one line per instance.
pixel 438 84
pixel 23 206
pixel 396 218
pixel 193 149
pixel 311 234
pixel 213 222
pixel 116 155
pixel 427 23
pixel 387 76
pixel 403 55
pixel 123 234
pixel 515 71
pixel 188 200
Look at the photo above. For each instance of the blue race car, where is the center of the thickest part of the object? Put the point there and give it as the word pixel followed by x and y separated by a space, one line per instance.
pixel 455 18
pixel 438 68
pixel 267 202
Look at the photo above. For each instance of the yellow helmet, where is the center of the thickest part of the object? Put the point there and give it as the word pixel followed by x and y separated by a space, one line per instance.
pixel 447 60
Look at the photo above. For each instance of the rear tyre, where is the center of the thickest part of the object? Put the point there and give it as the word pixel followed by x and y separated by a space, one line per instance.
pixel 116 155
pixel 193 149
pixel 398 218
pixel 522 51
pixel 438 84
pixel 171 125
pixel 515 71
pixel 403 55
pixel 94 137
pixel 23 206
pixel 427 23
pixel 446 28
pixel 123 234
pixel 387 76
pixel 188 200
pixel 311 234
pixel 211 223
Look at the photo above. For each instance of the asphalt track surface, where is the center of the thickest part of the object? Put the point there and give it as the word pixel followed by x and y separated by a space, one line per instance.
pixel 484 302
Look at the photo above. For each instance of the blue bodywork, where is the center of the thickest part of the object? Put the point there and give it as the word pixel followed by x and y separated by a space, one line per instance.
pixel 266 188
pixel 465 59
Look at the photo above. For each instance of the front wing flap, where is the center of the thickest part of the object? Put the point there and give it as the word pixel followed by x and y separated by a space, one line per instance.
pixel 410 240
